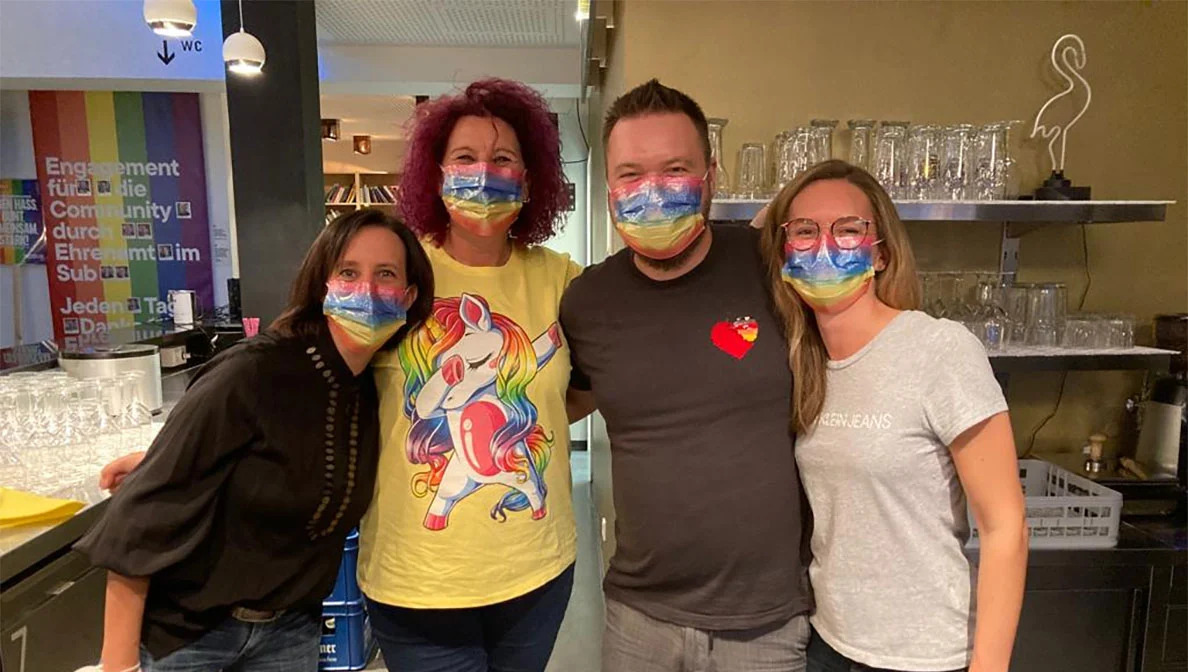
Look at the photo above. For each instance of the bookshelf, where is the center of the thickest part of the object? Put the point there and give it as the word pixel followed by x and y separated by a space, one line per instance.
pixel 354 191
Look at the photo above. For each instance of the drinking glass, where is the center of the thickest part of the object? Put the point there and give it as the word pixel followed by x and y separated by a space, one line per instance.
pixel 821 140
pixel 794 155
pixel 861 142
pixel 956 162
pixel 752 165
pixel 891 157
pixel 1045 313
pixel 722 184
pixel 1119 331
pixel 777 151
pixel 1081 331
pixel 924 161
pixel 993 162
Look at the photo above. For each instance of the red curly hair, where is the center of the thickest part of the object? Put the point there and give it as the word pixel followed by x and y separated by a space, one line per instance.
pixel 527 113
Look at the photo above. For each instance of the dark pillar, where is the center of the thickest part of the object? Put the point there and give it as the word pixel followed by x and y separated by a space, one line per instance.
pixel 276 150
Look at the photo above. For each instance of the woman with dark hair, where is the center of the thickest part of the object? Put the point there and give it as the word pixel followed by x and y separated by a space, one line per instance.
pixel 467 551
pixel 222 544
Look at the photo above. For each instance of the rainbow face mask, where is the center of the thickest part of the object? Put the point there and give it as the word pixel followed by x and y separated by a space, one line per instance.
pixel 659 215
pixel 482 198
pixel 828 278
pixel 368 313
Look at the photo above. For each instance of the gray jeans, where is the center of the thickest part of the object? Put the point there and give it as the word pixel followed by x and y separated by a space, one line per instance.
pixel 636 642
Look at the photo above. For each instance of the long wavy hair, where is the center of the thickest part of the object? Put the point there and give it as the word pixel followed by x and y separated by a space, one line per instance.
pixel 527 112
pixel 896 285
pixel 429 438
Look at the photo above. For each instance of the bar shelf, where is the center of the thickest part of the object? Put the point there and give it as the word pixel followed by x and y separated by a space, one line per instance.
pixel 1035 212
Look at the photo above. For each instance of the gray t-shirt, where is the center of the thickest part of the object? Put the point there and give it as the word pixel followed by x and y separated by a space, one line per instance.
pixel 893 587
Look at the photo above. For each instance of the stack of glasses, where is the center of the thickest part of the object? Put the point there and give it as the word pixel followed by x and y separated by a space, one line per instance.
pixel 1018 315
pixel 960 162
pixel 57 431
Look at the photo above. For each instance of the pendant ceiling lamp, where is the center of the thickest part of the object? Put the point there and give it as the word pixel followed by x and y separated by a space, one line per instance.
pixel 242 52
pixel 171 18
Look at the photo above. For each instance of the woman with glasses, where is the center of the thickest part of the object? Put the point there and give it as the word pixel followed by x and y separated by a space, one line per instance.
pixel 900 420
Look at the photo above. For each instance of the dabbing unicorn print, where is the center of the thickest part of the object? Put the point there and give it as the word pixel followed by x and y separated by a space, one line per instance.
pixel 466 377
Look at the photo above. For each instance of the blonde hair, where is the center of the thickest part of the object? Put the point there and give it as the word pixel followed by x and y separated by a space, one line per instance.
pixel 896 285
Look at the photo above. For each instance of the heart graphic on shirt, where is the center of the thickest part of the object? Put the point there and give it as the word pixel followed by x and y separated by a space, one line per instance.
pixel 736 337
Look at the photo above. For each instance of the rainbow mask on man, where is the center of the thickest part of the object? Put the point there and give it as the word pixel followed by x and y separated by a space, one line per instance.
pixel 368 313
pixel 659 215
pixel 482 198
pixel 827 277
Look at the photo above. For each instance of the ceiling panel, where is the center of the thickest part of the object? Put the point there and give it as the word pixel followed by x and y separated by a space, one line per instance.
pixel 469 23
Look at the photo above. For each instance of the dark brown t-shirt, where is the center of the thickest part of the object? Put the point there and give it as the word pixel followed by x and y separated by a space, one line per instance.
pixel 691 375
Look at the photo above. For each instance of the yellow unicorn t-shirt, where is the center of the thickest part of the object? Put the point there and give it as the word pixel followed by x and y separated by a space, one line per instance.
pixel 473 504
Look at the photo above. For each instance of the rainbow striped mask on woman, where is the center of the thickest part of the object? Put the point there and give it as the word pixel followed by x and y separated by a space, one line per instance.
pixel 368 313
pixel 482 198
pixel 827 277
pixel 660 215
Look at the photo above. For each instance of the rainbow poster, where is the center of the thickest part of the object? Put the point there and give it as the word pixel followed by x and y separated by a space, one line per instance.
pixel 123 194
pixel 20 222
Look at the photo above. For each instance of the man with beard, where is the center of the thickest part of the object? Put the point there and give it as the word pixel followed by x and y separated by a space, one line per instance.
pixel 678 343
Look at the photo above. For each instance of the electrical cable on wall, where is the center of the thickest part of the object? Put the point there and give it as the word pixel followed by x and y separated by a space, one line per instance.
pixel 577 105
pixel 1064 375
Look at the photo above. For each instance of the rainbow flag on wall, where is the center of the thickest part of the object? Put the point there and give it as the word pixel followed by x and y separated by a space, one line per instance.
pixel 20 222
pixel 123 188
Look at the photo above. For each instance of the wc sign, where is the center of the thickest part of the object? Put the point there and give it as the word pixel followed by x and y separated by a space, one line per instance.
pixel 166 56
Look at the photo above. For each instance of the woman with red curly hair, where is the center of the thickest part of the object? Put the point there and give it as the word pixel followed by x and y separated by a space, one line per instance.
pixel 467 551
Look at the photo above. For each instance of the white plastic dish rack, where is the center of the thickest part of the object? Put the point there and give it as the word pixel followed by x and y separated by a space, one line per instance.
pixel 1065 510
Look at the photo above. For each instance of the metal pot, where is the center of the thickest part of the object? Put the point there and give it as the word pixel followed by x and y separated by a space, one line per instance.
pixel 111 361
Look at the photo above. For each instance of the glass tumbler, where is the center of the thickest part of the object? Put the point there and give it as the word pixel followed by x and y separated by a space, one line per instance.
pixel 862 143
pixel 1119 331
pixel 777 150
pixel 1045 314
pixel 993 162
pixel 722 185
pixel 752 166
pixel 821 140
pixel 924 161
pixel 891 157
pixel 957 163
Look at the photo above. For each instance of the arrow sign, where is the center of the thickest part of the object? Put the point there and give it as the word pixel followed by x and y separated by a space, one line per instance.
pixel 164 54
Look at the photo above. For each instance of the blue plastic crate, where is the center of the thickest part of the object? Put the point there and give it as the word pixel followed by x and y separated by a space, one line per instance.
pixel 347 643
pixel 346 586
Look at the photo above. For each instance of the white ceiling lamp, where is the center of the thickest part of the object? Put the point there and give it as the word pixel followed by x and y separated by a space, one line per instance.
pixel 171 18
pixel 583 11
pixel 242 52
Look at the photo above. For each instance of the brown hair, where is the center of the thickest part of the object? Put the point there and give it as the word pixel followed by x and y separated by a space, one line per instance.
pixel 652 97
pixel 896 285
pixel 303 315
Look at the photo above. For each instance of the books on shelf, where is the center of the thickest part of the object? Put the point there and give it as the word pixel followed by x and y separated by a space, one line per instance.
pixel 341 194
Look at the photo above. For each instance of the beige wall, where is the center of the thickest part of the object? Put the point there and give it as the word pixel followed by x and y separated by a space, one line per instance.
pixel 385 157
pixel 771 65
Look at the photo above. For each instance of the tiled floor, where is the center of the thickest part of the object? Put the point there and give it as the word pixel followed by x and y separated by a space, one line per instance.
pixel 578 644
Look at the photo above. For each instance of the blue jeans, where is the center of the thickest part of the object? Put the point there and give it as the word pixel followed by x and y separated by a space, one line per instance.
pixel 822 658
pixel 288 644
pixel 513 636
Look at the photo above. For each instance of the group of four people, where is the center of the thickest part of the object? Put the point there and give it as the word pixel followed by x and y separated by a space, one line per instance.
pixel 421 386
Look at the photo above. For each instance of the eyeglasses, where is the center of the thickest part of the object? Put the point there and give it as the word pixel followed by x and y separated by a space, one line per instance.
pixel 848 232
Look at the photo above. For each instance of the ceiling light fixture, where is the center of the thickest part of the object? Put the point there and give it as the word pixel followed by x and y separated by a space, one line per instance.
pixel 583 10
pixel 331 130
pixel 242 52
pixel 171 18
pixel 362 144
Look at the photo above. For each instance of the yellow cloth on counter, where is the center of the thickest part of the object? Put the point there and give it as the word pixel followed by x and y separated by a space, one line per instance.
pixel 25 508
